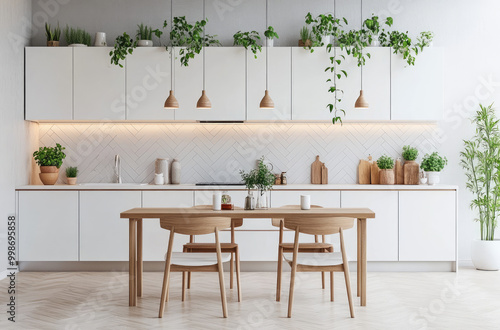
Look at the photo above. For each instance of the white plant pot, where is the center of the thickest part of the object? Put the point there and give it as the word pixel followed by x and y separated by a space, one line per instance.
pixel 269 42
pixel 326 40
pixel 432 177
pixel 375 43
pixel 486 254
pixel 77 45
pixel 145 43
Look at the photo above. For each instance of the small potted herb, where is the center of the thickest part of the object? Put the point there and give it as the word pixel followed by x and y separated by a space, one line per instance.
pixel 71 175
pixel 433 164
pixel 386 166
pixel 145 35
pixel 50 160
pixel 77 37
pixel 248 40
pixel 53 36
pixel 411 168
pixel 305 37
pixel 270 35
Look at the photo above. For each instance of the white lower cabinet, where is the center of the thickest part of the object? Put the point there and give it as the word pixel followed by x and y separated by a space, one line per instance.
pixel 427 224
pixel 103 235
pixel 382 232
pixel 155 242
pixel 48 226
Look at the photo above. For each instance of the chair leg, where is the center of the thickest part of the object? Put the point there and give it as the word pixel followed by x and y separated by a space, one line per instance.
pixel 231 271
pixel 222 292
pixel 323 280
pixel 331 286
pixel 279 273
pixel 348 287
pixel 183 285
pixel 238 282
pixel 290 296
pixel 189 280
pixel 164 290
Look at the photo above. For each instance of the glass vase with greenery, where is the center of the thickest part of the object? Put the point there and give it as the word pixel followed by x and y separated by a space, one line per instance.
pixel 261 178
pixel 481 162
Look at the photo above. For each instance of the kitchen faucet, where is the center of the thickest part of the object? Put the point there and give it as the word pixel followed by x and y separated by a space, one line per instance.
pixel 118 169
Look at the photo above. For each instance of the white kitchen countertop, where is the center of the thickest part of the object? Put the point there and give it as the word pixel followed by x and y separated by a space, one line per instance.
pixel 125 186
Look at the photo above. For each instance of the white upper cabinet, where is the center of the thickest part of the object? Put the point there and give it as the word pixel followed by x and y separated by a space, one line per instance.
pixel 49 83
pixel 148 84
pixel 417 91
pixel 310 95
pixel 99 86
pixel 376 83
pixel 280 80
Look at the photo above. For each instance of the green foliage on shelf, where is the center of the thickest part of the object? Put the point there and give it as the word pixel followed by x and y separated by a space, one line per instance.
pixel 50 156
pixel 385 163
pixel 481 161
pixel 76 36
pixel 124 45
pixel 52 35
pixel 145 32
pixel 433 162
pixel 305 34
pixel 71 172
pixel 270 33
pixel 249 40
pixel 410 153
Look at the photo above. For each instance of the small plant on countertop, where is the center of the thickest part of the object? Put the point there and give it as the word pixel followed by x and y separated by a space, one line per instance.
pixel 305 36
pixel 52 35
pixel 124 45
pixel 410 153
pixel 385 163
pixel 71 172
pixel 248 40
pixel 76 36
pixel 270 33
pixel 50 156
pixel 261 177
pixel 433 162
pixel 249 179
pixel 145 32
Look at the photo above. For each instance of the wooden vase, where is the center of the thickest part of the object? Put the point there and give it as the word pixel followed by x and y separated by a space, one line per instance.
pixel 387 176
pixel 411 171
pixel 49 174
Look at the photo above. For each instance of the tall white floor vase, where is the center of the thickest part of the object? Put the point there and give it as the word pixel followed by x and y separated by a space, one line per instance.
pixel 486 254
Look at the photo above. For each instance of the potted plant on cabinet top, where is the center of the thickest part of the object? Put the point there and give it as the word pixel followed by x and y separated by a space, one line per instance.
pixel 248 40
pixel 433 164
pixel 77 37
pixel 481 161
pixel 145 35
pixel 71 175
pixel 53 36
pixel 411 168
pixel 270 35
pixel 324 27
pixel 50 160
pixel 305 37
pixel 386 166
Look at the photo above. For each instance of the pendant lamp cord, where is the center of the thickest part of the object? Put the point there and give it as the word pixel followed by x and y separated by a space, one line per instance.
pixel 203 41
pixel 267 46
pixel 172 52
pixel 361 22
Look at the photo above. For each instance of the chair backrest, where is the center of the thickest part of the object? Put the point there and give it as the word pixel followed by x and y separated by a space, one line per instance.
pixel 276 222
pixel 236 222
pixel 319 226
pixel 195 226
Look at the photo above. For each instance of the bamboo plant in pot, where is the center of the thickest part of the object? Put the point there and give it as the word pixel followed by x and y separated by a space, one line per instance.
pixel 433 164
pixel 71 175
pixel 386 166
pixel 481 162
pixel 50 160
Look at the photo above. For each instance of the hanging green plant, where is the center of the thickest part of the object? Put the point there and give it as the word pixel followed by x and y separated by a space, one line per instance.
pixel 190 37
pixel 124 45
pixel 249 40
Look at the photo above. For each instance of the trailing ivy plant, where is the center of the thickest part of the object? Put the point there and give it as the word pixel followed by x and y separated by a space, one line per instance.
pixel 481 162
pixel 324 25
pixel 248 40
pixel 145 32
pixel 190 37
pixel 271 34
pixel 50 156
pixel 385 163
pixel 124 45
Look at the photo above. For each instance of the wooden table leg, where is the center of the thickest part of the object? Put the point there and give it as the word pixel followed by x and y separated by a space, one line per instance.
pixel 362 224
pixel 139 258
pixel 358 272
pixel 132 264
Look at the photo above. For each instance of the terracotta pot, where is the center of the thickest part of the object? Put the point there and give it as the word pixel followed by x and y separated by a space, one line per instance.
pixel 387 176
pixel 49 174
pixel 52 43
pixel 71 181
pixel 308 43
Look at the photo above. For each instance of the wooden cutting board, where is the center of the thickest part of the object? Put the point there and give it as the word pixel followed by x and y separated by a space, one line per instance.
pixel 398 171
pixel 324 174
pixel 375 173
pixel 364 171
pixel 316 168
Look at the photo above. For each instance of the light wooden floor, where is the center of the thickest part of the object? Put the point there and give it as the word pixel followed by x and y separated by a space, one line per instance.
pixel 467 300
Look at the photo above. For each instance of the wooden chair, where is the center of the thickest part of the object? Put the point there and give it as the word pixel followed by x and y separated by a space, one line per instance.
pixel 194 262
pixel 319 262
pixel 231 248
pixel 316 247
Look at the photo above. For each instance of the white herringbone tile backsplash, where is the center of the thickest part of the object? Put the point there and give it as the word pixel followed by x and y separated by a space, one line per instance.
pixel 216 152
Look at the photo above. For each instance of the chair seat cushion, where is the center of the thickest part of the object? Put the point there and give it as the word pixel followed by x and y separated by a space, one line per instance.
pixel 197 259
pixel 316 259
pixel 307 246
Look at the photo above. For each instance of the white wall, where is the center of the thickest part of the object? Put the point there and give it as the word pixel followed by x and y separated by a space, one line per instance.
pixel 16 136
pixel 467 30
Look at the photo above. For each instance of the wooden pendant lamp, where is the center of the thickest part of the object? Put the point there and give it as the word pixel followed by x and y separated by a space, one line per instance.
pixel 204 101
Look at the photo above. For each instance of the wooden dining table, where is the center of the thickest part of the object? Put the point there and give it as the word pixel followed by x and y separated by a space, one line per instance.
pixel 137 215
